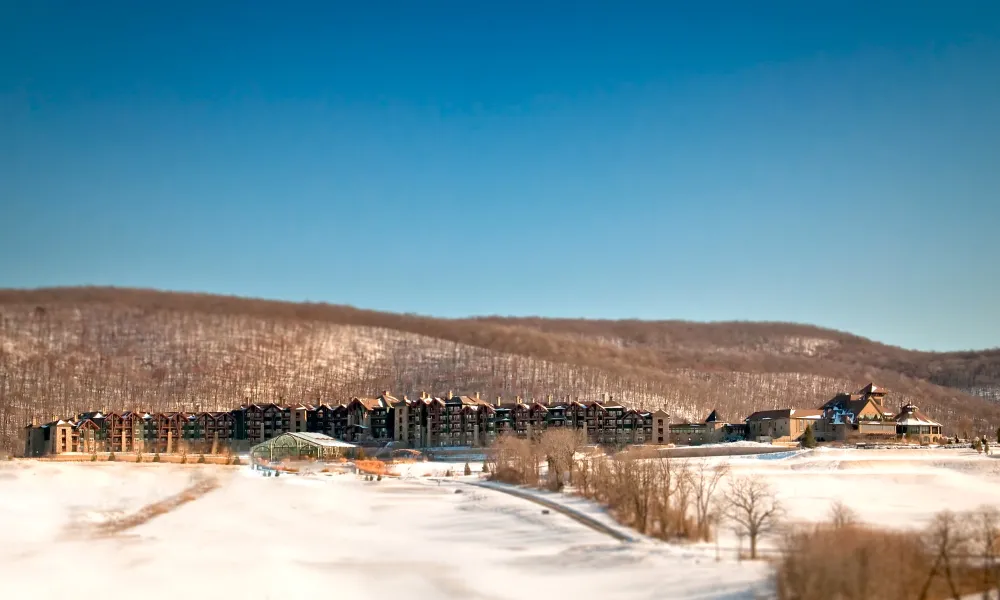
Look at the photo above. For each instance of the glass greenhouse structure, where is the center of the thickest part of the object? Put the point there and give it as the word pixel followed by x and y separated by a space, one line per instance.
pixel 299 445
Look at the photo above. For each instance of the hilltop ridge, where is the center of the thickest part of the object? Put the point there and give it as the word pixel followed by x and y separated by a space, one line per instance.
pixel 67 349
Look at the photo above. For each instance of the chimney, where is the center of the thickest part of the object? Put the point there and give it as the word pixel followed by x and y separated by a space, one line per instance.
pixel 519 400
pixel 34 421
pixel 450 395
pixel 423 395
pixel 548 399
pixel 385 393
pixel 477 395
pixel 499 398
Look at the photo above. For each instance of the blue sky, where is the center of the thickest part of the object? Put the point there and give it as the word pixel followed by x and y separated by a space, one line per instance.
pixel 811 162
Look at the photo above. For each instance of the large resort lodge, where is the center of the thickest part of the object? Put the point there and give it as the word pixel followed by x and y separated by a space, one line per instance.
pixel 429 421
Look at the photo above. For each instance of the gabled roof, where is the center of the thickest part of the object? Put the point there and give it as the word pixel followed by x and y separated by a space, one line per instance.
pixel 370 403
pixel 786 413
pixel 713 417
pixel 264 407
pixel 852 403
pixel 388 399
pixel 871 388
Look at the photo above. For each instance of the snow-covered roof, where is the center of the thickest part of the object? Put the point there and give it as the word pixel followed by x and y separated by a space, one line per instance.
pixel 320 439
pixel 911 415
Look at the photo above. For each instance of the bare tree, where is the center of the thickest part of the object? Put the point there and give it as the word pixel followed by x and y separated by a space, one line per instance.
pixel 946 539
pixel 705 480
pixel 752 508
pixel 842 515
pixel 984 541
pixel 559 445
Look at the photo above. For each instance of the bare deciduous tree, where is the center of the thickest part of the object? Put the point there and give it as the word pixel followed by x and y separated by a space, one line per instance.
pixel 66 351
pixel 705 479
pixel 559 445
pixel 945 538
pixel 752 508
pixel 842 515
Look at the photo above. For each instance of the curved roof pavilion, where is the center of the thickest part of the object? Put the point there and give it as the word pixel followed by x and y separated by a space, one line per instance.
pixel 297 444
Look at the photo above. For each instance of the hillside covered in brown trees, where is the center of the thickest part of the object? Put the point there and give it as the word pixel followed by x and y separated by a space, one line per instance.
pixel 67 350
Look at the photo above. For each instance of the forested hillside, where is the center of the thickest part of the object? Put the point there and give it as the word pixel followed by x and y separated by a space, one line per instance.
pixel 67 350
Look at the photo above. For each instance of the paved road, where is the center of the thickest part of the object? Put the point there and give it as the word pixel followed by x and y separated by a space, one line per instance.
pixel 576 516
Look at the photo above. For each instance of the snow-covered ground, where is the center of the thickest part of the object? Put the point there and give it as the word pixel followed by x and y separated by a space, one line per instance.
pixel 334 535
pixel 893 488
pixel 299 536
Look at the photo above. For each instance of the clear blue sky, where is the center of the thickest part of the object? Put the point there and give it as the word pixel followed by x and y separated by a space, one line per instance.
pixel 803 161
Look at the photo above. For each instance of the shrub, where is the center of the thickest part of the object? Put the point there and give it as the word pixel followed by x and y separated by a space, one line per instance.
pixel 93 457
pixel 156 457
pixel 448 473
pixel 236 460
pixel 809 438
pixel 845 560
pixel 468 469
pixel 851 562
pixel 111 457
pixel 184 459
pixel 360 454
pixel 201 459
pixel 138 457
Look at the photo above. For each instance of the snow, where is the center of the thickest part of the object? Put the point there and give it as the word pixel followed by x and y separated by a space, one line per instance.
pixel 297 537
pixel 320 439
pixel 901 488
pixel 433 468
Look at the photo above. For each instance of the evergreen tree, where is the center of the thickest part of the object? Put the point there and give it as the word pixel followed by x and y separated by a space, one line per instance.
pixel 468 469
pixel 977 445
pixel 808 438
pixel 111 457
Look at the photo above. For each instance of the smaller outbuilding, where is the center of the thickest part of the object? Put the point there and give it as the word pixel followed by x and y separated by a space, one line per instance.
pixel 298 445
pixel 912 423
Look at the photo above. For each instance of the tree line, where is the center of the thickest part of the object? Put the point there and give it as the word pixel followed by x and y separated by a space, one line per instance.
pixel 66 351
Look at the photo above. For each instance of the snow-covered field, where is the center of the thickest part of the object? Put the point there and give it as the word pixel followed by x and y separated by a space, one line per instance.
pixel 893 488
pixel 338 536
pixel 296 536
